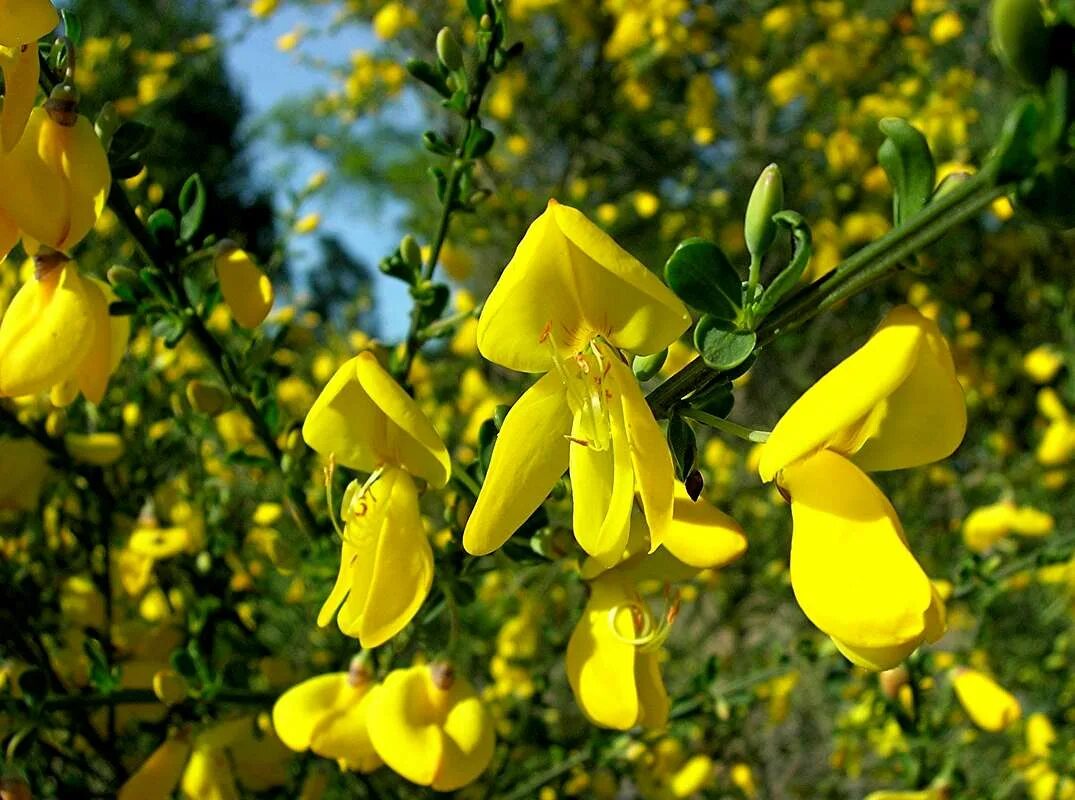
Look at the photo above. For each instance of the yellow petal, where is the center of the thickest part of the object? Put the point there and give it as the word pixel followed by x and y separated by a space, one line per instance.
pixel 602 493
pixel 653 702
pixel 25 465
pixel 59 181
pixel 99 449
pixel 893 403
pixel 96 368
pixel 530 455
pixel 21 70
pixel 159 774
pixel 9 234
pixel 209 776
pixel 433 737
pixel 366 420
pixel 925 419
pixel 24 21
pixel 245 288
pixel 411 440
pixel 989 705
pixel 468 741
pixel 654 474
pixel 46 332
pixel 701 535
pixel 851 570
pixel 600 661
pixel 327 714
pixel 570 281
pixel 390 568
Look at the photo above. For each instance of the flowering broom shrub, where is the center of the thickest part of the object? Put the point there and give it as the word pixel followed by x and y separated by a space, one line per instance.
pixel 687 476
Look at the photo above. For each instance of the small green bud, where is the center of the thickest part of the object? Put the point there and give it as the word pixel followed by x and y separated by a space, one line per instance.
pixel 122 276
pixel 448 51
pixel 766 200
pixel 411 252
pixel 1021 38
pixel 486 22
pixel 646 367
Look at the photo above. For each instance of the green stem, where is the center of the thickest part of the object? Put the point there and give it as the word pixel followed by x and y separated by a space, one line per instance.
pixel 725 425
pixel 862 269
pixel 224 364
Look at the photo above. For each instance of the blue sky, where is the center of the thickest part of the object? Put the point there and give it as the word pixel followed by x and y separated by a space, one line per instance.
pixel 266 77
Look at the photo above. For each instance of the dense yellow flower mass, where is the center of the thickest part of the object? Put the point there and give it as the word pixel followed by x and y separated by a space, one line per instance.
pixel 551 597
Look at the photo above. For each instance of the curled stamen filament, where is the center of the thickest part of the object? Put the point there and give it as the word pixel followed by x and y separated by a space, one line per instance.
pixel 650 634
pixel 329 471
pixel 354 501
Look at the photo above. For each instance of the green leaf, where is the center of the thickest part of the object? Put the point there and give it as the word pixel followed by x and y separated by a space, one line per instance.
pixel 162 226
pixel 122 308
pixel 170 328
pixel 1057 107
pixel 476 8
pixel 647 367
pixel 722 345
pixel 908 162
pixel 1021 38
pixel 72 25
pixel 428 74
pixel 479 142
pixel 682 443
pixel 1016 146
pixel 125 168
pixel 789 277
pixel 701 275
pixel 718 400
pixel 130 139
pixel 192 202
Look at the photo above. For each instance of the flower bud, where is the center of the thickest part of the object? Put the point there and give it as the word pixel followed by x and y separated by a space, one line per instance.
pixel 1021 38
pixel 246 289
pixel 448 50
pixel 766 200
pixel 122 276
pixel 207 398
pixel 170 687
pixel 411 252
pixel 98 449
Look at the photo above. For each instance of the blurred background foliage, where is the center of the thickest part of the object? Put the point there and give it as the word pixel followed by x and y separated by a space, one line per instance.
pixel 654 117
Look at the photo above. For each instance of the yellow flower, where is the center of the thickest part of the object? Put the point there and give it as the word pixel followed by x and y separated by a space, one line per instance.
pixel 25 21
pixel 991 707
pixel 430 726
pixel 987 525
pixel 392 18
pixel 1042 363
pixel 21 69
pixel 245 288
pixel 56 179
pixel 57 331
pixel 616 683
pixel 567 302
pixel 25 467
pixel 159 774
pixel 99 449
pixel 922 794
pixel 613 654
pixel 365 421
pixel 895 403
pixel 328 715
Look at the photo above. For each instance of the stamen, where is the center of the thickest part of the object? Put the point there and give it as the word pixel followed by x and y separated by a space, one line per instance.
pixel 649 634
pixel 329 471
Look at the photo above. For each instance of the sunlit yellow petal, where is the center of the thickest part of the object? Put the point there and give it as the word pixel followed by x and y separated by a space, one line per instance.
pixel 989 705
pixel 366 420
pixel 245 287
pixel 46 332
pixel 701 535
pixel 569 282
pixel 530 455
pixel 24 21
pixel 392 566
pixel 21 70
pixel 653 701
pixel 410 439
pixel 159 774
pixel 600 661
pixel 654 475
pixel 851 569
